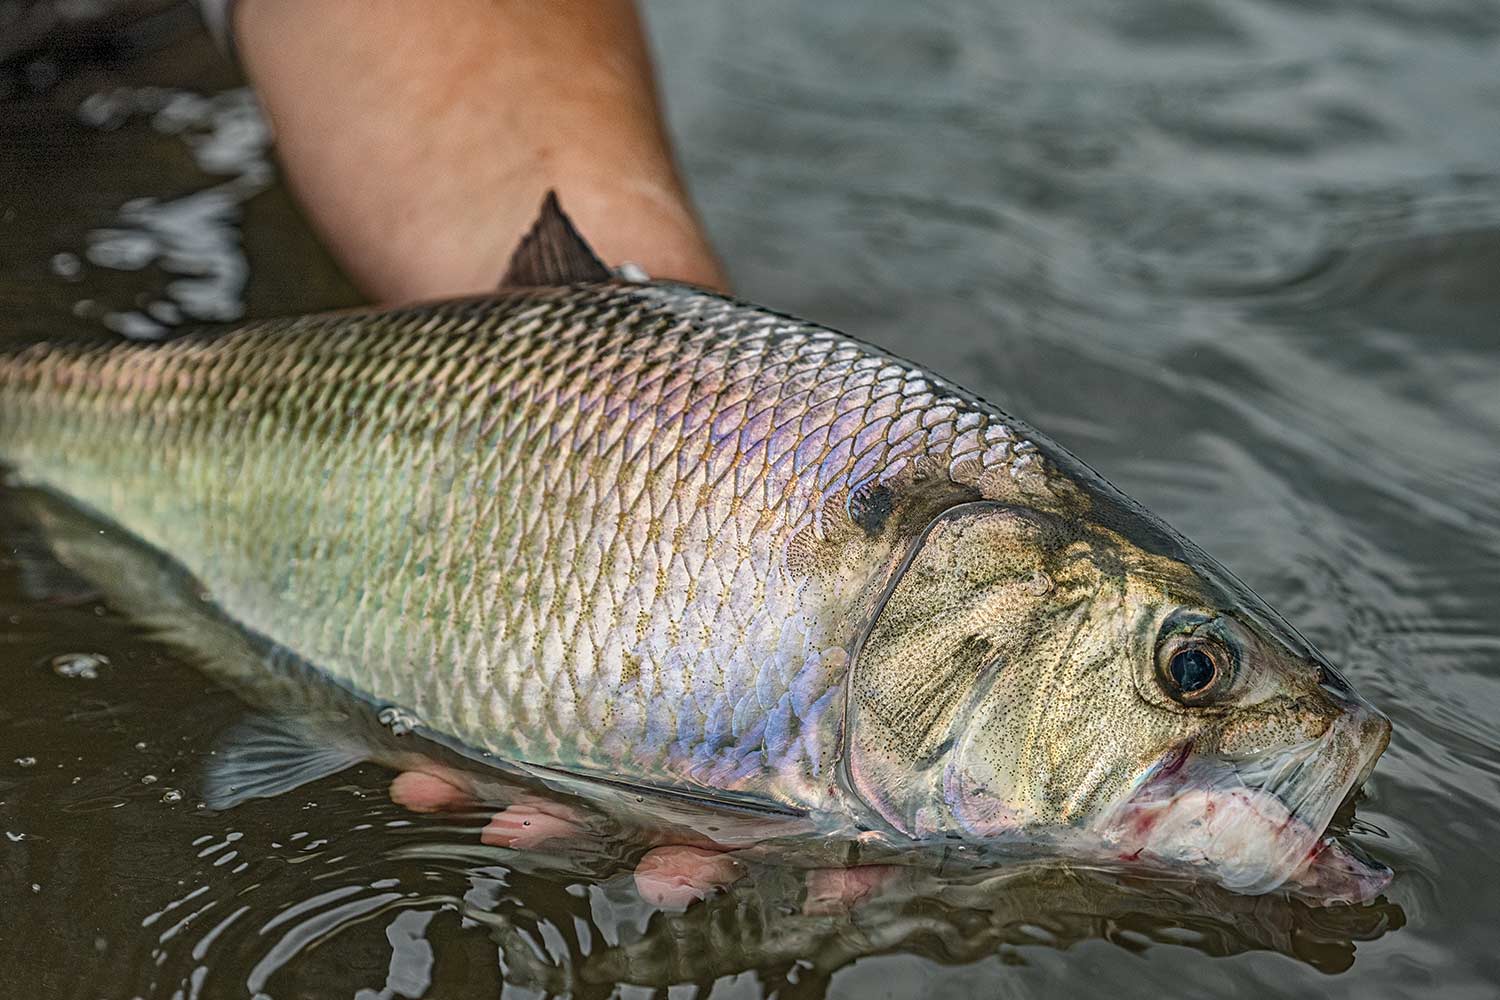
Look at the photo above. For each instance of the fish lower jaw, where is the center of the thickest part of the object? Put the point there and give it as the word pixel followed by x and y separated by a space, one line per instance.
pixel 1246 839
pixel 1333 873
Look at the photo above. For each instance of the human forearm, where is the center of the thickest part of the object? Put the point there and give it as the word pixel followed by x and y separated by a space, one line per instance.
pixel 421 137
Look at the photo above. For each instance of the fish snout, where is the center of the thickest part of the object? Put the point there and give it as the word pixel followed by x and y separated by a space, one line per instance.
pixel 1374 729
pixel 1367 725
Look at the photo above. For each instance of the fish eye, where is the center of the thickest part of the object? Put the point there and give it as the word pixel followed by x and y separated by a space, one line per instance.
pixel 1194 669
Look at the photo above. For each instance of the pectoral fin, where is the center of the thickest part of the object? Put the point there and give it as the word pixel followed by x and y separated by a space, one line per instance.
pixel 39 574
pixel 263 757
pixel 724 817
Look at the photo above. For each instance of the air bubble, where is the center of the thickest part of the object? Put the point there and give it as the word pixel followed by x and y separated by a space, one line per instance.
pixel 171 795
pixel 399 722
pixel 67 265
pixel 82 666
pixel 25 761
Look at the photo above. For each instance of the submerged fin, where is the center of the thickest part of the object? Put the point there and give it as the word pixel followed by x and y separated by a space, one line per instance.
pixel 39 574
pixel 587 785
pixel 723 817
pixel 553 253
pixel 263 757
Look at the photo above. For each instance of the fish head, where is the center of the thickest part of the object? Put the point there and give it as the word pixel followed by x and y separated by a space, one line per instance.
pixel 1031 675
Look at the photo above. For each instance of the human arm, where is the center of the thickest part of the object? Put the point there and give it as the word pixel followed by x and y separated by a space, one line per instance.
pixel 422 137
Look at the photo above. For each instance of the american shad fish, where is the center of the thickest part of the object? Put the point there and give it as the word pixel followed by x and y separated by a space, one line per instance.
pixel 642 540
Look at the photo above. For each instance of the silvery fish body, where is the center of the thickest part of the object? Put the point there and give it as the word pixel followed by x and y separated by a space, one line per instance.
pixel 650 533
pixel 625 528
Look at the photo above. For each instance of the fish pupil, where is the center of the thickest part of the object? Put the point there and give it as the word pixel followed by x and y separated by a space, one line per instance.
pixel 1192 670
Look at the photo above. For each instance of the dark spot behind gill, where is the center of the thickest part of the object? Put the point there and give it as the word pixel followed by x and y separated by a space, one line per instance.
pixel 870 509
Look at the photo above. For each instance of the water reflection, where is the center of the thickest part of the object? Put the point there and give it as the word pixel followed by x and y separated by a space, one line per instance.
pixel 193 240
pixel 417 908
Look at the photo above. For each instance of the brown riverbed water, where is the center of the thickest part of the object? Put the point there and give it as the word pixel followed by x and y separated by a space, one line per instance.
pixel 1242 258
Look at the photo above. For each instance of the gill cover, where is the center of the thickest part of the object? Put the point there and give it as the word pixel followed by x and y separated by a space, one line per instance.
pixel 964 601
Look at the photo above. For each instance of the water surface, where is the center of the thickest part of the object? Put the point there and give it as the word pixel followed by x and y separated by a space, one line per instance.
pixel 1242 258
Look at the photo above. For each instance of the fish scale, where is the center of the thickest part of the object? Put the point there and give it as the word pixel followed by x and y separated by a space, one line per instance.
pixel 612 528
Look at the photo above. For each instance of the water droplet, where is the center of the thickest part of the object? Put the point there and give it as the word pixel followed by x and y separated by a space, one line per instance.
pixel 25 761
pixel 141 745
pixel 148 779
pixel 83 666
pixel 67 265
pixel 171 795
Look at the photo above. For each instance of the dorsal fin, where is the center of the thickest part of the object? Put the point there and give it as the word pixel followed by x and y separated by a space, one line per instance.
pixel 553 253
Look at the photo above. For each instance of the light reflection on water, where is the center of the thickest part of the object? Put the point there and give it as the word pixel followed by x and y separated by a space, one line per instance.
pixel 1241 258
pixel 192 240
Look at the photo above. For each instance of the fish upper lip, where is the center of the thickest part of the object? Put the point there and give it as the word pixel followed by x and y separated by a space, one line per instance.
pixel 1370 753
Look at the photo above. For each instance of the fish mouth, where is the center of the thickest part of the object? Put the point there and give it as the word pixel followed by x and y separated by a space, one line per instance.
pixel 1260 822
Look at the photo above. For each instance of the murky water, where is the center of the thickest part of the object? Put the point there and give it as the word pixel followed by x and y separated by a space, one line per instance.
pixel 1243 258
